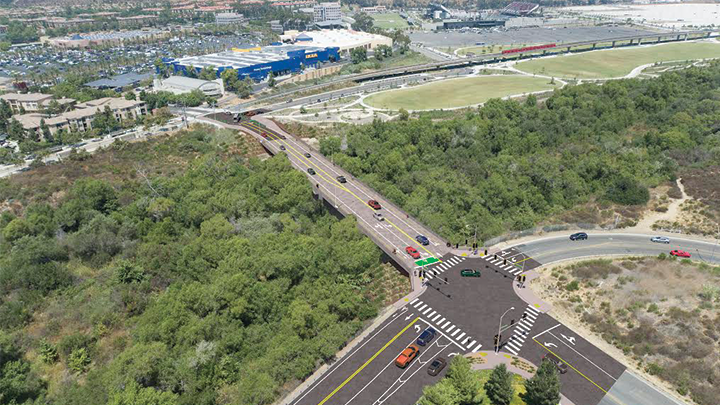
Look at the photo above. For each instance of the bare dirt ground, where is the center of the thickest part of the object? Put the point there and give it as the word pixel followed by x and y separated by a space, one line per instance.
pixel 659 317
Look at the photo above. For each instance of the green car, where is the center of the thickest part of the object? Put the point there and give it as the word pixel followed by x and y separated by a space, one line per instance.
pixel 470 273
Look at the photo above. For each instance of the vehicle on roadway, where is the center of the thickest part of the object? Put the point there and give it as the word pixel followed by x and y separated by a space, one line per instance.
pixel 282 147
pixel 423 240
pixel 679 253
pixel 660 239
pixel 374 204
pixel 412 252
pixel 437 366
pixel 311 171
pixel 307 155
pixel 579 236
pixel 407 356
pixel 378 216
pixel 561 366
pixel 426 336
pixel 469 273
pixel 341 179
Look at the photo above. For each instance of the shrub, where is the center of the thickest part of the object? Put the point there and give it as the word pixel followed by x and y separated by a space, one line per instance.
pixel 628 191
pixel 48 352
pixel 79 360
pixel 662 256
pixel 573 286
pixel 654 369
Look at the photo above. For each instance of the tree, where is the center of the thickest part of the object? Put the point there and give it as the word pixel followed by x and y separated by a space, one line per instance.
pixel 442 393
pixel 544 387
pixel 230 79
pixel 244 88
pixel 363 22
pixel 16 229
pixel 271 81
pixel 358 55
pixel 47 136
pixel 15 130
pixel 465 380
pixel 134 394
pixel 498 387
pixel 382 52
pixel 208 73
pixel 628 191
pixel 130 96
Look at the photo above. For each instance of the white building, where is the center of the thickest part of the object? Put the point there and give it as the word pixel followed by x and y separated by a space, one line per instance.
pixel 327 12
pixel 346 40
pixel 182 84
pixel 228 18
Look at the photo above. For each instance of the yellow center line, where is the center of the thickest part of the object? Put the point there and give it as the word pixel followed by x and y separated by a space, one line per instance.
pixel 578 371
pixel 332 180
pixel 368 362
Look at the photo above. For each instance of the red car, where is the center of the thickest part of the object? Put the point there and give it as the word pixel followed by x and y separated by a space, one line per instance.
pixel 679 253
pixel 412 252
pixel 374 204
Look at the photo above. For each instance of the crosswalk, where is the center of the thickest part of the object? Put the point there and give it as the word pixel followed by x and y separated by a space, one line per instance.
pixel 449 329
pixel 522 330
pixel 509 267
pixel 436 269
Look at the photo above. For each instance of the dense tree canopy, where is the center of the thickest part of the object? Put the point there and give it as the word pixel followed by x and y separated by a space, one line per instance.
pixel 218 284
pixel 511 165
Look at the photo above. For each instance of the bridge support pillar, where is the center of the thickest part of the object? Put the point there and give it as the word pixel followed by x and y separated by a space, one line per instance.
pixel 659 40
pixel 613 44
pixel 707 35
pixel 678 38
pixel 639 41
pixel 594 45
pixel 568 49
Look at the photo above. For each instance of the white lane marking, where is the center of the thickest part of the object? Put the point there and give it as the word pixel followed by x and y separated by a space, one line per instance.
pixel 512 351
pixel 413 301
pixel 530 315
pixel 336 366
pixel 461 336
pixel 521 326
pixel 578 353
pixel 422 307
pixel 450 328
pixel 545 331
pixel 471 344
pixel 446 325
pixel 436 317
pixel 456 332
pixel 430 276
pixel 533 310
pixel 417 303
pixel 427 310
pixel 441 321
pixel 513 345
pixel 477 348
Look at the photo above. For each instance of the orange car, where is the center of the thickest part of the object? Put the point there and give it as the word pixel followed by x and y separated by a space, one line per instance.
pixel 407 356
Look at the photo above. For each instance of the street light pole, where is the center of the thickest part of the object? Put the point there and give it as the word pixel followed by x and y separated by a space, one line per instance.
pixel 497 347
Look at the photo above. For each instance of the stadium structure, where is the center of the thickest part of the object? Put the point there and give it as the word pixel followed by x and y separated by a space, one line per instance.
pixel 257 63
pixel 520 9
pixel 514 14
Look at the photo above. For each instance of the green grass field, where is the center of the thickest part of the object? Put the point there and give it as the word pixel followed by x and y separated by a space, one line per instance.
pixel 388 21
pixel 483 49
pixel 618 62
pixel 456 92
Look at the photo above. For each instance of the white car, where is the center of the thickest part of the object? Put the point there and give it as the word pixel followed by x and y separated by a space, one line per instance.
pixel 378 216
pixel 660 239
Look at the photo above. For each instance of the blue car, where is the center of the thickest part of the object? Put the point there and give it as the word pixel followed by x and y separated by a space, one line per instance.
pixel 423 240
pixel 426 337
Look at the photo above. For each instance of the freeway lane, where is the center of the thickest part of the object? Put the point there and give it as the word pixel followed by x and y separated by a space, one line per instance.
pixel 553 249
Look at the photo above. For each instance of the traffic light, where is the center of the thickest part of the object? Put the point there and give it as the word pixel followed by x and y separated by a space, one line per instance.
pixel 495 256
pixel 512 322
pixel 504 261
pixel 524 315
pixel 485 252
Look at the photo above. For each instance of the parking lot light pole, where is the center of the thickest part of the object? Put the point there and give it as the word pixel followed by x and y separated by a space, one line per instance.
pixel 497 348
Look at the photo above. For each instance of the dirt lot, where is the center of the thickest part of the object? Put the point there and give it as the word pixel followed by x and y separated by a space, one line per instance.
pixel 660 316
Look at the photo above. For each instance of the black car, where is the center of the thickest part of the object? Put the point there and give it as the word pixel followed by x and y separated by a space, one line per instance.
pixel 307 155
pixel 341 179
pixel 561 366
pixel 311 171
pixel 436 366
pixel 579 236
pixel 282 147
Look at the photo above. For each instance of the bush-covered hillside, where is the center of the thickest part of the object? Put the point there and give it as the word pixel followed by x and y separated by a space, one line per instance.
pixel 194 277
pixel 509 165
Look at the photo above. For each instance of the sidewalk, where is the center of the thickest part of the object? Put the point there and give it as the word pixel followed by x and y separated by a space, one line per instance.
pixel 484 360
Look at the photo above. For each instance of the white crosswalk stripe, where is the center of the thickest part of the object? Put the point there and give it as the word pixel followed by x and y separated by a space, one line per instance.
pixel 446 325
pixel 451 328
pixel 430 314
pixel 462 339
pixel 461 336
pixel 413 301
pixel 522 330
pixel 476 348
pixel 436 317
pixel 455 333
pixel 471 344
pixel 423 307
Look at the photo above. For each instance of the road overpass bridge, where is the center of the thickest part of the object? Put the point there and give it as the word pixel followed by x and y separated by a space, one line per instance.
pixel 463 311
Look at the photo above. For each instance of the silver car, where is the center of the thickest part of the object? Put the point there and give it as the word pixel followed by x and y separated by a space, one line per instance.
pixel 378 216
pixel 660 239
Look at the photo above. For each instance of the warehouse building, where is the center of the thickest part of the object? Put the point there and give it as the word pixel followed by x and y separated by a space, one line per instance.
pixel 182 85
pixel 258 63
pixel 344 40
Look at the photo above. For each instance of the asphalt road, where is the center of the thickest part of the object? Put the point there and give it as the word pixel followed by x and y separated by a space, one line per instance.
pixel 553 249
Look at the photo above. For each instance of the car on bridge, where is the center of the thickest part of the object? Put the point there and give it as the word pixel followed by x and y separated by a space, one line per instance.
pixel 311 171
pixel 407 356
pixel 378 216
pixel 374 204
pixel 679 253
pixel 423 240
pixel 427 336
pixel 412 252
pixel 579 236
pixel 341 179
pixel 437 366
pixel 469 273
pixel 660 239
pixel 282 147
pixel 307 155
